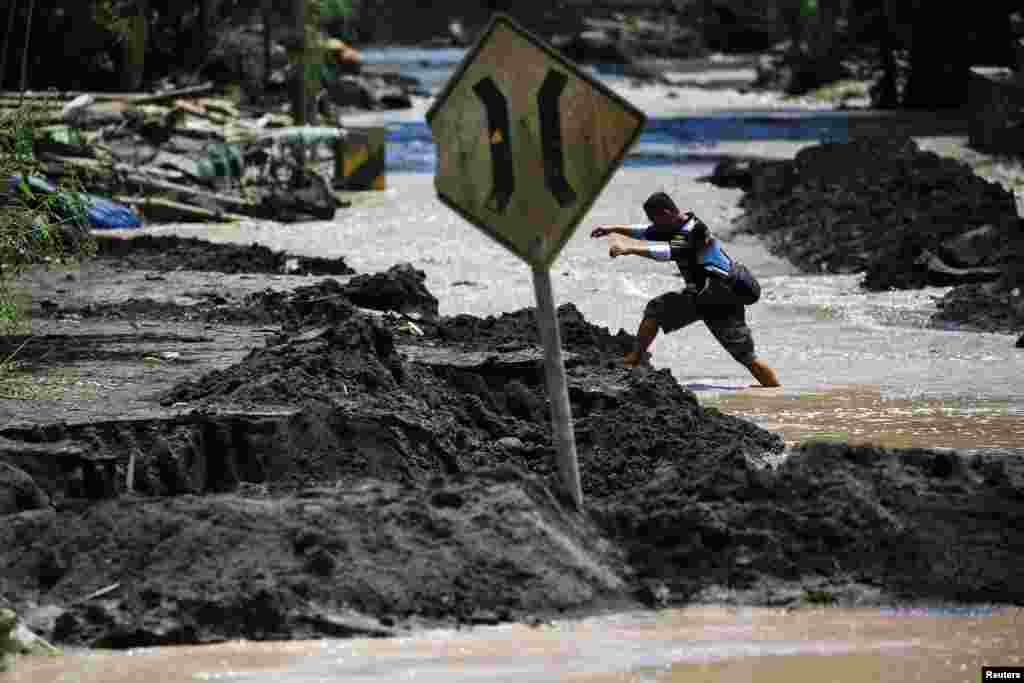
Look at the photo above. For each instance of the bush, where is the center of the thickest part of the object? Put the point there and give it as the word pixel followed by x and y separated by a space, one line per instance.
pixel 335 16
pixel 32 229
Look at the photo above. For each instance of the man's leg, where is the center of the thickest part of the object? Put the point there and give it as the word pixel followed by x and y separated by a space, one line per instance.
pixel 667 312
pixel 729 326
pixel 645 335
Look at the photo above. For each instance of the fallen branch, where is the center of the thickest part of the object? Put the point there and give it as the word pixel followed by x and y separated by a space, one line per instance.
pixel 172 94
pixel 235 204
pixel 158 208
pixel 10 358
pixel 100 593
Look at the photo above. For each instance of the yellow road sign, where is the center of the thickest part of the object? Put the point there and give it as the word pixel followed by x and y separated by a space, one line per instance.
pixel 526 141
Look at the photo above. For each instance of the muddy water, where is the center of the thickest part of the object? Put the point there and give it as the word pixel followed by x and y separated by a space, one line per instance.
pixel 862 414
pixel 696 644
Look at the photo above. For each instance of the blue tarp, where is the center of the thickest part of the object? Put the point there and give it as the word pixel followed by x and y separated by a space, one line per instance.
pixel 99 212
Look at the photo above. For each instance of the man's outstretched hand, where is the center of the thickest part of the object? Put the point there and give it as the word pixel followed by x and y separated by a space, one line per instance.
pixel 616 250
pixel 600 231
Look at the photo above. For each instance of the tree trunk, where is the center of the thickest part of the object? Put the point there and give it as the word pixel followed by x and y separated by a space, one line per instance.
pixel 24 51
pixel 267 44
pixel 368 22
pixel 301 60
pixel 135 47
pixel 939 62
pixel 7 42
pixel 886 95
pixel 823 34
pixel 205 30
pixel 793 23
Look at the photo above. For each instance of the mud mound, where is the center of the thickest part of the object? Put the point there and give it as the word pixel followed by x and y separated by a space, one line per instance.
pixel 322 303
pixel 484 548
pixel 988 307
pixel 911 523
pixel 352 355
pixel 477 408
pixel 399 289
pixel 169 252
pixel 519 329
pixel 878 206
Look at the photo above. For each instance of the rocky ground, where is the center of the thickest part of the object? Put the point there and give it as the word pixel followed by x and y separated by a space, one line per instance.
pixel 903 216
pixel 370 466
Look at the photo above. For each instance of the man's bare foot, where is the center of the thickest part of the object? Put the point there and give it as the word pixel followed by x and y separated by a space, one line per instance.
pixel 633 359
pixel 763 373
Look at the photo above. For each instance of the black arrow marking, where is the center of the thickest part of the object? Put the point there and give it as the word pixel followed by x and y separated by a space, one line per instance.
pixel 551 137
pixel 501 148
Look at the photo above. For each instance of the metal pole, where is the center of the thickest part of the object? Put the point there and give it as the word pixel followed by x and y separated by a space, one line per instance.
pixel 558 392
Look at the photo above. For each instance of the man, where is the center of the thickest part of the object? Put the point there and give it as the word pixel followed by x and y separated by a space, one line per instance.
pixel 717 288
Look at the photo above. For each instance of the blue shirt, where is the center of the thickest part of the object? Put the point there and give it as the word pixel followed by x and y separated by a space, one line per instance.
pixel 711 260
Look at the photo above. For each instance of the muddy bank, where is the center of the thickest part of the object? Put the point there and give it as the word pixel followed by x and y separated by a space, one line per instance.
pixel 904 217
pixel 366 471
pixel 170 252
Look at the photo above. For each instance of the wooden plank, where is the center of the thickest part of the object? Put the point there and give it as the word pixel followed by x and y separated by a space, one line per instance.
pixel 158 208
pixel 233 203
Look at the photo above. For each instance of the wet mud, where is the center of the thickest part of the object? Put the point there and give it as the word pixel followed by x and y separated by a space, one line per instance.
pixel 168 252
pixel 371 467
pixel 902 216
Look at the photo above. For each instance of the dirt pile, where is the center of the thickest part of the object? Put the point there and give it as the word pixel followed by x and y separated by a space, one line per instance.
pixel 852 522
pixel 330 562
pixel 904 217
pixel 168 252
pixel 364 472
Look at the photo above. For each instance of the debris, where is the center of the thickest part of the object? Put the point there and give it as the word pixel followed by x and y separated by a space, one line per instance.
pixel 190 154
pixel 74 209
pixel 409 327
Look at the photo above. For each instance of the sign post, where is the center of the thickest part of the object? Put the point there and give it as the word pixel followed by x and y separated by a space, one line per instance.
pixel 558 390
pixel 526 141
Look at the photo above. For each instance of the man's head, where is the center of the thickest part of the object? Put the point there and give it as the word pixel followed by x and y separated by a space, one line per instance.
pixel 661 210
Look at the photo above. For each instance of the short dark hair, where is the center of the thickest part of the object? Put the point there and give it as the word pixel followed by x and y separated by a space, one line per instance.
pixel 659 201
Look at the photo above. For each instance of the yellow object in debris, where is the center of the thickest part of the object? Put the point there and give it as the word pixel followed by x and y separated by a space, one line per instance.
pixel 360 159
pixel 409 327
pixel 341 51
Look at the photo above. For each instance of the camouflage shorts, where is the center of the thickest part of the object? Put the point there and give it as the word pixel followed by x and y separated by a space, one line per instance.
pixel 727 322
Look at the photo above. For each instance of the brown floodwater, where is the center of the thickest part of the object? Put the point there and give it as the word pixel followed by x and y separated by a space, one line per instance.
pixel 693 644
pixel 864 414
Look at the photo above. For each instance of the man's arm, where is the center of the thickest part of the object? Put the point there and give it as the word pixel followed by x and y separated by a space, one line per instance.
pixel 638 231
pixel 652 232
pixel 655 252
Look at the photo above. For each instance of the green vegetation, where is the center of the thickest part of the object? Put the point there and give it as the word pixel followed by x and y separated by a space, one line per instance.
pixel 14 643
pixel 819 598
pixel 839 92
pixel 31 229
pixel 336 14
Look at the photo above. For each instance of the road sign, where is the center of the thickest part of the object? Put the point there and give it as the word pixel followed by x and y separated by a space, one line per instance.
pixel 525 144
pixel 526 141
